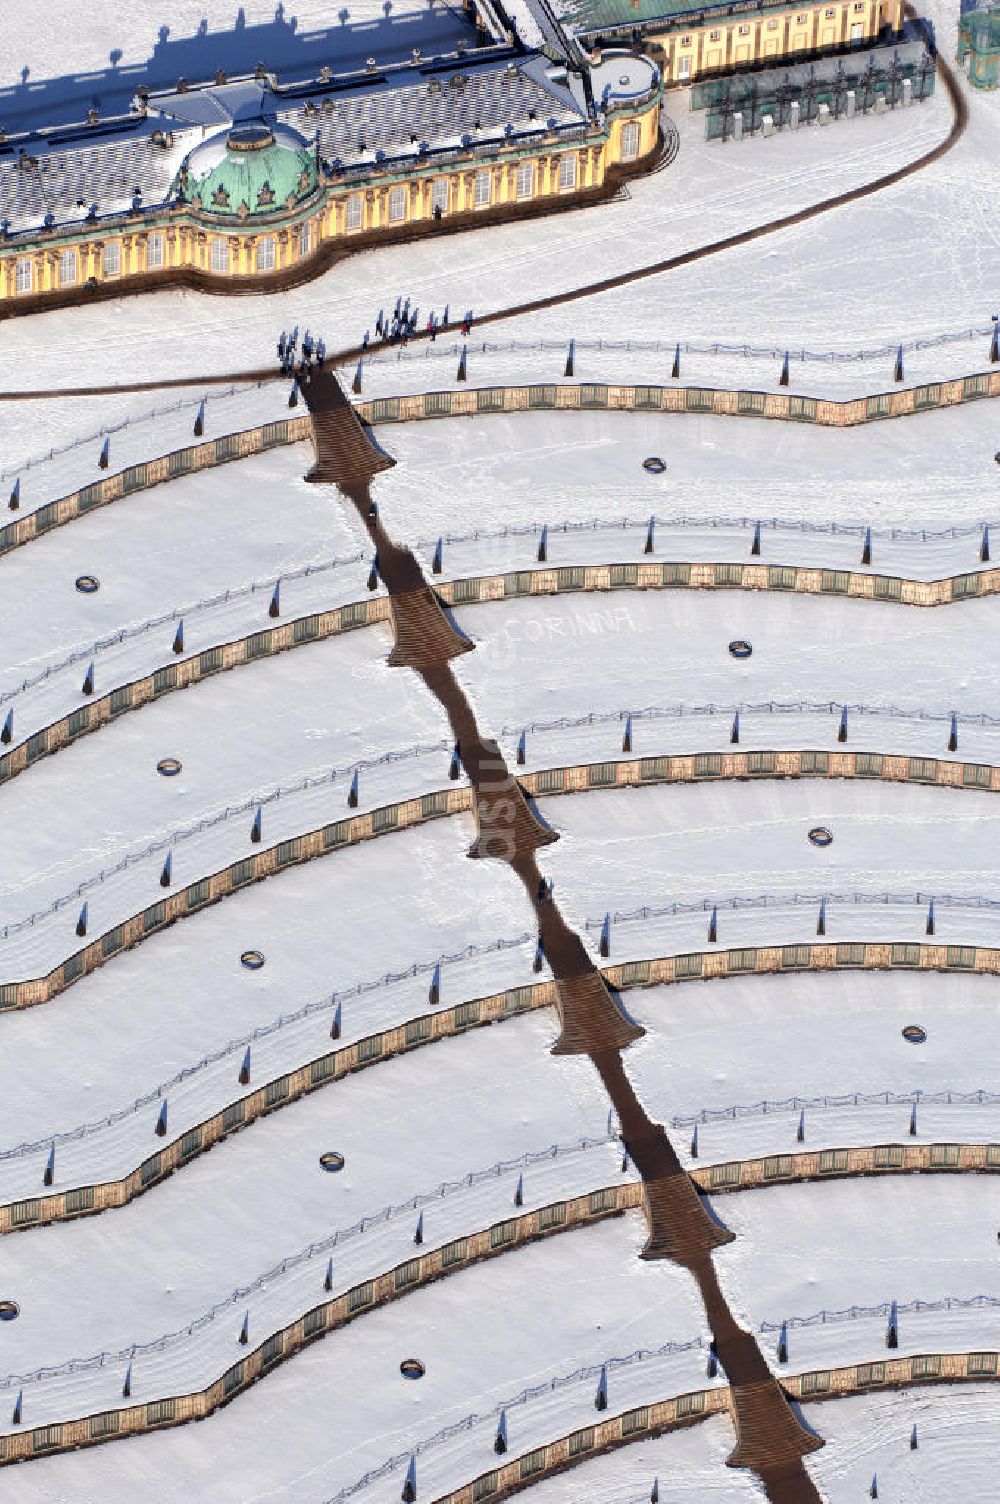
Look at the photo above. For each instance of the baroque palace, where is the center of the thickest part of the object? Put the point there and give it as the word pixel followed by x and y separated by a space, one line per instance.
pixel 239 177
pixel 202 165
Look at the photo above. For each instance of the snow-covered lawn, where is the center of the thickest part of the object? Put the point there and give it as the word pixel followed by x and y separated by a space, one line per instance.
pixel 805 1249
pixel 751 1040
pixel 230 1216
pixel 935 470
pixel 542 658
pixel 352 918
pixel 625 848
pixel 314 712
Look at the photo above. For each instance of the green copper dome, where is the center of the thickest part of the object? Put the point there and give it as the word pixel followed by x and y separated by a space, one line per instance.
pixel 253 169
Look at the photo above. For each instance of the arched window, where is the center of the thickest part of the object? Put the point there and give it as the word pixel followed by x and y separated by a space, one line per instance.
pixel 630 141
pixel 154 252
pixel 440 195
pixel 219 254
pixel 265 253
pixel 484 188
pixel 525 183
pixel 111 260
pixel 68 270
pixel 355 218
pixel 24 278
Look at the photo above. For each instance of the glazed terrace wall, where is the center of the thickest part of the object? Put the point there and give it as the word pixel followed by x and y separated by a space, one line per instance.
pixel 633 772
pixel 482 400
pixel 680 576
pixel 328 1316
pixel 230 446
pixel 680 399
pixel 478 1012
pixel 684 1409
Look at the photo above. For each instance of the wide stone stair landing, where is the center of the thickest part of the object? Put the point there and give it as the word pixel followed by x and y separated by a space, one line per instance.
pixel 424 636
pixel 680 1228
pixel 345 455
pixel 768 1435
pixel 591 1021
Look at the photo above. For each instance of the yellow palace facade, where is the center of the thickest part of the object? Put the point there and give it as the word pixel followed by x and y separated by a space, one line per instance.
pixel 688 44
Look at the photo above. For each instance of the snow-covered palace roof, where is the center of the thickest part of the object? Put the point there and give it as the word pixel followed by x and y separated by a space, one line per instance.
pixel 482 89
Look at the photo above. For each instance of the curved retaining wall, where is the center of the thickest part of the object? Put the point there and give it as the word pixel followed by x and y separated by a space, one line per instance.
pixel 684 1409
pixel 506 399
pixel 178 675
pixel 230 446
pixel 482 588
pixel 728 402
pixel 673 575
pixel 618 773
pixel 327 1316
pixel 423 1029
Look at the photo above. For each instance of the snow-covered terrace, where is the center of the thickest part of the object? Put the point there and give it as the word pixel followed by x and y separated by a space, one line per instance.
pixel 742 1057
pixel 542 659
pixel 676 852
pixel 803 1250
pixel 203 1237
pixel 379 908
pixel 485 1336
pixel 155 430
pixel 935 471
pixel 838 372
pixel 130 809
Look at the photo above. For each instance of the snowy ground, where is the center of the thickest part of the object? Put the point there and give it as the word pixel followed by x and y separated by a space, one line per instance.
pixel 688 846
pixel 275 730
pixel 202 1234
pixel 542 658
pixel 205 550
pixel 751 1041
pixel 478 1359
pixel 957 1431
pixel 145 1015
pixel 807 1249
pixel 934 471
pixel 956 1440
pixel 159 424
pixel 492 359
